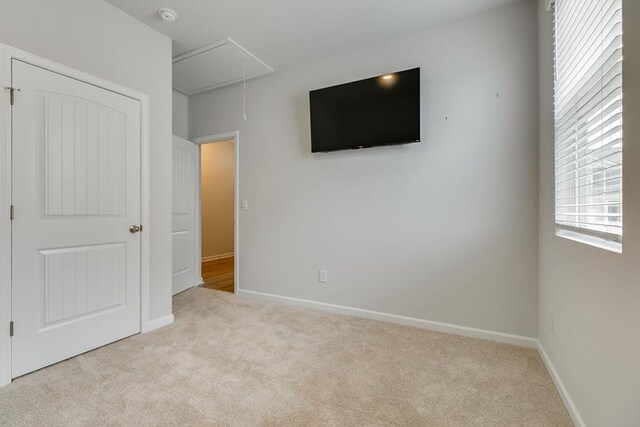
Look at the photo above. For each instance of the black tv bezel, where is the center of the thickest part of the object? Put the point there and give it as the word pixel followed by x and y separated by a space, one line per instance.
pixel 362 146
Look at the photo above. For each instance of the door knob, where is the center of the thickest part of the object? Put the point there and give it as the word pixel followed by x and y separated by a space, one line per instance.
pixel 135 229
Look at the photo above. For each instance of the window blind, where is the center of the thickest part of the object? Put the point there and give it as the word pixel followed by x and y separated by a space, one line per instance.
pixel 588 116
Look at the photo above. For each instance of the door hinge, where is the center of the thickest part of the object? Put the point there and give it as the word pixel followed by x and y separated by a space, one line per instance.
pixel 11 328
pixel 11 212
pixel 12 93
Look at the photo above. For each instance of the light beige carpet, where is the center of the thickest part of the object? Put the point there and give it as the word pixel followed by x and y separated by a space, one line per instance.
pixel 237 362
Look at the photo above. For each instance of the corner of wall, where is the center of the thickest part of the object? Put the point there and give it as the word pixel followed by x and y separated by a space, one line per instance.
pixel 180 114
pixel 562 390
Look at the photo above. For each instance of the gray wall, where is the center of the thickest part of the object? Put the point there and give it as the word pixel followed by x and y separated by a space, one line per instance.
pixel 444 230
pixel 180 114
pixel 595 345
pixel 95 37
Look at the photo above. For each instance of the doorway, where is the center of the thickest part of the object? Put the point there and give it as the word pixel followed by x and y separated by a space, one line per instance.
pixel 216 212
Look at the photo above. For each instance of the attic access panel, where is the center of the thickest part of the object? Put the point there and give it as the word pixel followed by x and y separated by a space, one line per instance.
pixel 215 65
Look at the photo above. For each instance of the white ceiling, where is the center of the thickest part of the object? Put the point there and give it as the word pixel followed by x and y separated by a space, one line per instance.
pixel 283 33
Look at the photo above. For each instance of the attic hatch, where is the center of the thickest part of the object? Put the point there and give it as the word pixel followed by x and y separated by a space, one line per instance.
pixel 214 66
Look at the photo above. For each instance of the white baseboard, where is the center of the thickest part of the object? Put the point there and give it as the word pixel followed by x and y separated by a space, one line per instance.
pixel 217 257
pixel 158 323
pixel 402 320
pixel 562 390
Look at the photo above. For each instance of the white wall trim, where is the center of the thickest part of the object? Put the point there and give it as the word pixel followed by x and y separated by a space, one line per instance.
pixel 7 53
pixel 159 323
pixel 562 390
pixel 145 246
pixel 217 257
pixel 235 136
pixel 585 238
pixel 398 319
pixel 215 138
pixel 5 223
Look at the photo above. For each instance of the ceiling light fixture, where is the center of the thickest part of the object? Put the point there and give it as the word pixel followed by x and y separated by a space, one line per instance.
pixel 168 15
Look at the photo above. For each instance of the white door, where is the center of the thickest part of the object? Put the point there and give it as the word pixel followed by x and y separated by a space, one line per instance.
pixel 183 219
pixel 76 192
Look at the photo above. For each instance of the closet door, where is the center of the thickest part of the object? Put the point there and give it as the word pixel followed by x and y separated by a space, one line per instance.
pixel 75 233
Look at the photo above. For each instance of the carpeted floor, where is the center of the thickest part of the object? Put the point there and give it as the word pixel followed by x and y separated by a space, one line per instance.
pixel 237 362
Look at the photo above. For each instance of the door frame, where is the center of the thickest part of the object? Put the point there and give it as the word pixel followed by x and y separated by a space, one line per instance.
pixel 226 136
pixel 7 54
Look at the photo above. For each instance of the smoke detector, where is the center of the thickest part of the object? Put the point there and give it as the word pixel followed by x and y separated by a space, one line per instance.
pixel 168 15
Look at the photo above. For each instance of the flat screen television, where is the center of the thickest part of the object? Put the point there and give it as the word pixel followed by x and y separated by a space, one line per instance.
pixel 383 110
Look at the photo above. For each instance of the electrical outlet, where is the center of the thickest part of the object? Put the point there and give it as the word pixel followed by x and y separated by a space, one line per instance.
pixel 552 319
pixel 322 276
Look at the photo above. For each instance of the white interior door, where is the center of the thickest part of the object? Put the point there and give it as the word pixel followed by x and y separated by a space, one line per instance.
pixel 183 219
pixel 76 192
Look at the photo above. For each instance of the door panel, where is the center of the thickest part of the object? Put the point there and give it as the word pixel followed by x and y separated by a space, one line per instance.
pixel 76 191
pixel 183 219
pixel 83 158
pixel 81 281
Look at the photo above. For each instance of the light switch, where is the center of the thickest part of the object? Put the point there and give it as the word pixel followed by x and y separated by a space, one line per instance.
pixel 244 205
pixel 322 276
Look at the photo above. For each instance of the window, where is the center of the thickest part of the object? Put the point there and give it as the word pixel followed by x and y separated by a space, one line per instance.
pixel 588 121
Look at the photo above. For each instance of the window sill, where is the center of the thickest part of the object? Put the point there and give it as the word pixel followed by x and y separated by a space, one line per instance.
pixel 587 239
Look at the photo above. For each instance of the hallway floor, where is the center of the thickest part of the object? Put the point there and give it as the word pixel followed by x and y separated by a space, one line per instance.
pixel 218 274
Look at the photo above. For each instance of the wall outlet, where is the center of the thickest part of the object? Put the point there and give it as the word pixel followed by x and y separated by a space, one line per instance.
pixel 552 319
pixel 322 276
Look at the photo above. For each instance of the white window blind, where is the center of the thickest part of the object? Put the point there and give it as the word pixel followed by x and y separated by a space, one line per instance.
pixel 588 117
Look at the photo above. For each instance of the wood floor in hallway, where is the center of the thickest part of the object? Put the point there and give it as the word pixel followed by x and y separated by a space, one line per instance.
pixel 218 274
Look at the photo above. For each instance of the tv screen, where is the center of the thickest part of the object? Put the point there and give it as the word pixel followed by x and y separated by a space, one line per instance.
pixel 383 110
